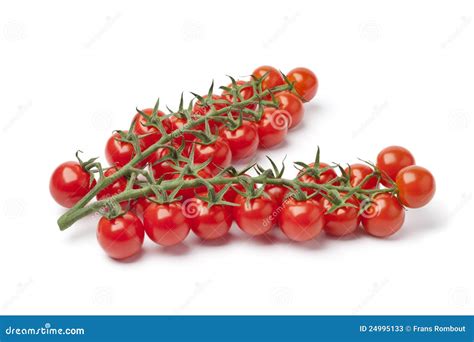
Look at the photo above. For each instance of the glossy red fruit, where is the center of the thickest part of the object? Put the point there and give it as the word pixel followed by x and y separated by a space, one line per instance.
pixel 187 193
pixel 343 221
pixel 305 82
pixel 416 186
pixel 325 177
pixel 384 217
pixel 391 160
pixel 69 183
pixel 113 189
pixel 119 153
pixel 293 105
pixel 273 127
pixel 301 220
pixel 166 224
pixel 217 151
pixel 254 216
pixel 243 141
pixel 121 237
pixel 209 223
pixel 273 77
pixel 358 172
pixel 162 168
pixel 151 134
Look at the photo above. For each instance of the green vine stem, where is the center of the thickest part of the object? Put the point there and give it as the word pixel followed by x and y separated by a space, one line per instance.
pixel 72 216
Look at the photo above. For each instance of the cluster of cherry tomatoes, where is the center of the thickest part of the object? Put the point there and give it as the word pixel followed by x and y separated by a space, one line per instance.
pixel 302 212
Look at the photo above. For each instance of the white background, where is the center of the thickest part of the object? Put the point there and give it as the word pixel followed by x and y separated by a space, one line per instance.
pixel 399 73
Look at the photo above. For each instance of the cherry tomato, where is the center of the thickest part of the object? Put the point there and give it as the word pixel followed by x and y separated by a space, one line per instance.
pixel 384 217
pixel 343 221
pixel 208 223
pixel 218 152
pixel 305 82
pixel 254 216
pixel 166 224
pixel 301 220
pixel 391 160
pixel 293 105
pixel 140 206
pixel 276 193
pixel 164 168
pixel 358 172
pixel 246 92
pixel 113 189
pixel 416 186
pixel 201 109
pixel 119 153
pixel 273 127
pixel 121 237
pixel 178 123
pixel 69 183
pixel 187 193
pixel 325 177
pixel 272 79
pixel 152 133
pixel 243 141
pixel 231 193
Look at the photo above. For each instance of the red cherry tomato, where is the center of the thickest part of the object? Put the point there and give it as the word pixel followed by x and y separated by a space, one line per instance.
pixel 243 141
pixel 69 183
pixel 358 172
pixel 305 82
pixel 113 189
pixel 165 224
pixel 325 177
pixel 187 193
pixel 179 123
pixel 208 223
pixel 391 160
pixel 384 217
pixel 301 220
pixel 416 186
pixel 140 206
pixel 293 105
pixel 276 193
pixel 254 216
pixel 231 193
pixel 273 127
pixel 121 237
pixel 163 168
pixel 246 92
pixel 119 153
pixel 151 133
pixel 343 221
pixel 218 152
pixel 272 79
pixel 201 109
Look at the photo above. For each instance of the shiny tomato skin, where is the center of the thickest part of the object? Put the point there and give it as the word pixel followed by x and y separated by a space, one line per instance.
pixel 165 224
pixel 324 178
pixel 255 217
pixel 276 193
pixel 246 92
pixel 358 172
pixel 416 186
pixel 293 105
pixel 218 152
pixel 179 123
pixel 140 206
pixel 343 221
pixel 201 109
pixel 119 153
pixel 152 133
pixel 113 189
pixel 121 237
pixel 164 168
pixel 188 193
pixel 273 127
pixel 385 217
pixel 243 141
pixel 391 160
pixel 305 82
pixel 208 223
pixel 69 183
pixel 301 220
pixel 272 79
